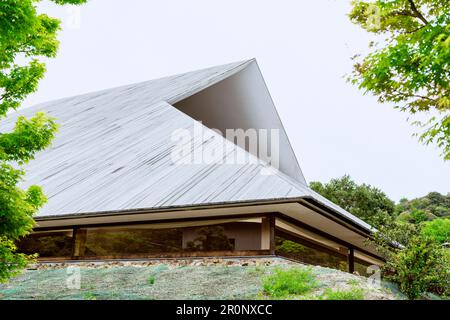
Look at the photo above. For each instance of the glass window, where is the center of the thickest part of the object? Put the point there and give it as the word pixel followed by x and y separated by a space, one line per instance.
pixel 122 242
pixel 362 267
pixel 151 240
pixel 56 244
pixel 298 249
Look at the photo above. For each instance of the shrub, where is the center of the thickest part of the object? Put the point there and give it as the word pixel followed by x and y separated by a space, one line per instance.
pixel 293 281
pixel 422 266
pixel 419 264
pixel 419 215
pixel 438 230
pixel 151 280
pixel 352 294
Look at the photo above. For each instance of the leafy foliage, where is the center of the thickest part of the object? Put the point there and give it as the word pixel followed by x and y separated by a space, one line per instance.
pixel 364 201
pixel 15 261
pixel 25 38
pixel 410 66
pixel 292 281
pixel 415 262
pixel 438 230
pixel 415 216
pixel 422 266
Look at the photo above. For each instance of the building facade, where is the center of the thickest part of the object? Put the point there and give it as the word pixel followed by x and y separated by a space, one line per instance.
pixel 191 165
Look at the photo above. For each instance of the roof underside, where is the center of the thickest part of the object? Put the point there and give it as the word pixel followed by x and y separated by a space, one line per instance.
pixel 114 148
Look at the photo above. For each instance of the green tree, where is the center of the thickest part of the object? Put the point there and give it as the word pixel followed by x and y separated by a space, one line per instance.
pixel 433 205
pixel 410 64
pixel 363 201
pixel 26 37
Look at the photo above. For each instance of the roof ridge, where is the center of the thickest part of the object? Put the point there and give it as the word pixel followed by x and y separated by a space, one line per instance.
pixel 232 65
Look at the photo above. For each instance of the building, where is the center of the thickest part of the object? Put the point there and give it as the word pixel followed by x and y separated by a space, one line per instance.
pixel 138 172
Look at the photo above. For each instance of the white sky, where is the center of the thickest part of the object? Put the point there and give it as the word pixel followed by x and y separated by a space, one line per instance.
pixel 303 49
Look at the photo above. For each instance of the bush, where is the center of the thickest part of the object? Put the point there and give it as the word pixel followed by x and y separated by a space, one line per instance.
pixel 418 264
pixel 419 215
pixel 293 281
pixel 422 266
pixel 352 294
pixel 438 230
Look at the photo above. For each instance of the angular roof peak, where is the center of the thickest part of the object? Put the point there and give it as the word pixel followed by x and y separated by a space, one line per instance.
pixel 112 151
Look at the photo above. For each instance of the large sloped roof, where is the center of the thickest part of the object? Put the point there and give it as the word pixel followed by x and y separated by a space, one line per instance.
pixel 113 153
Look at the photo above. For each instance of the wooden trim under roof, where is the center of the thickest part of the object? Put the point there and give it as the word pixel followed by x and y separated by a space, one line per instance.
pixel 309 217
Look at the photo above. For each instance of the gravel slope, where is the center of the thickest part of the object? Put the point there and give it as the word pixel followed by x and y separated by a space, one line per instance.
pixel 172 279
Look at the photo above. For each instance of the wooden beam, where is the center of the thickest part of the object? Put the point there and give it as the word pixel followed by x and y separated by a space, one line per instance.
pixel 319 208
pixel 79 243
pixel 351 260
pixel 153 222
pixel 268 234
pixel 302 201
pixel 265 234
pixel 272 234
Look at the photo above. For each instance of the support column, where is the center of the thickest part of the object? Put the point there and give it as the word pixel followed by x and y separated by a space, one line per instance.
pixel 351 260
pixel 268 234
pixel 79 243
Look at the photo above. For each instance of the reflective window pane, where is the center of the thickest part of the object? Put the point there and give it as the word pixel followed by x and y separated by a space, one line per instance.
pixel 299 250
pixel 48 245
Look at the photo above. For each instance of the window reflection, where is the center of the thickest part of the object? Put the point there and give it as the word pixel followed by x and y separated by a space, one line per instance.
pixel 145 241
pixel 298 249
pixel 48 244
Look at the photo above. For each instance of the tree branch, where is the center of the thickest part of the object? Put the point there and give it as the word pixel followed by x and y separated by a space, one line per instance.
pixel 417 12
pixel 412 95
pixel 417 29
pixel 3 97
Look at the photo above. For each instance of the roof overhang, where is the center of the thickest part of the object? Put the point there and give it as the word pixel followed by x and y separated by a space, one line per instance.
pixel 309 218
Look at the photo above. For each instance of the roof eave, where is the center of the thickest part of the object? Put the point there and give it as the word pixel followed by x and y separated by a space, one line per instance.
pixel 301 200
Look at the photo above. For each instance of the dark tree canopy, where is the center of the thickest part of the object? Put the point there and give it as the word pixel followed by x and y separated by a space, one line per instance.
pixel 433 205
pixel 364 201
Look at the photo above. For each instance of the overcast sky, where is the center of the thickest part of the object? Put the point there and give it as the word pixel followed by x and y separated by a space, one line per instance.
pixel 303 49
